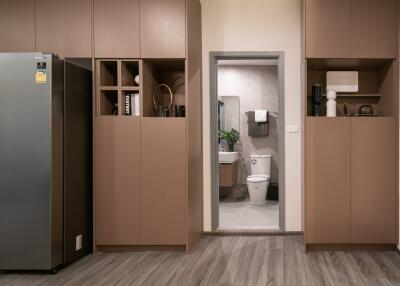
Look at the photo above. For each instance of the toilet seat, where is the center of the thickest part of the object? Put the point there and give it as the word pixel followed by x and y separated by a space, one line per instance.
pixel 257 178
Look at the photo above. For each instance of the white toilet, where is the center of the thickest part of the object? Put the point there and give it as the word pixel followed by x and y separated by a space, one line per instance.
pixel 258 181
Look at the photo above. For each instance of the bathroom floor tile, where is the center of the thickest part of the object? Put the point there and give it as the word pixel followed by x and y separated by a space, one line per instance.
pixel 243 215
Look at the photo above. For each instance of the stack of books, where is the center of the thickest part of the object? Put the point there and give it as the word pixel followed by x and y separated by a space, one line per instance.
pixel 132 105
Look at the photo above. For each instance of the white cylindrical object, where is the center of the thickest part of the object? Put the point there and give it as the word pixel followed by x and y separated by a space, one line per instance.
pixel 331 103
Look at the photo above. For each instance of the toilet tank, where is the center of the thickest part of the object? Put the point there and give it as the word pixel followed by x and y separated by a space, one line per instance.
pixel 261 165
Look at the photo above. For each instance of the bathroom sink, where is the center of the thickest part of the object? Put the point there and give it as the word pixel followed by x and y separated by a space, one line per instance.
pixel 228 157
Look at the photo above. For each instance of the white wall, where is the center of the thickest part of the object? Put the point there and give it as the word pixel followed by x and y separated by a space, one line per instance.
pixel 258 25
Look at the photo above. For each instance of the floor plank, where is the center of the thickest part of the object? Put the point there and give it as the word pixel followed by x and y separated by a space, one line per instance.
pixel 253 260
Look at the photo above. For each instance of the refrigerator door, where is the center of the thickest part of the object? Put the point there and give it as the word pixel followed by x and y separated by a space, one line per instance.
pixel 30 163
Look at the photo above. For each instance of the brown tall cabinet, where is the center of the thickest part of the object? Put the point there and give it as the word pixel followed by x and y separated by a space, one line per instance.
pixel 351 161
pixel 148 169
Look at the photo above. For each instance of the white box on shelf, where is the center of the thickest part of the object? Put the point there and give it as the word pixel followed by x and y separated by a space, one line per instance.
pixel 342 81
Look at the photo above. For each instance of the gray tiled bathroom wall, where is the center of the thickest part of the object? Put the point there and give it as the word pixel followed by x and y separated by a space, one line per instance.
pixel 257 88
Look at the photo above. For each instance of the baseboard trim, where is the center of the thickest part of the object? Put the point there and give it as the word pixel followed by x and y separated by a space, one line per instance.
pixel 350 247
pixel 140 248
pixel 252 233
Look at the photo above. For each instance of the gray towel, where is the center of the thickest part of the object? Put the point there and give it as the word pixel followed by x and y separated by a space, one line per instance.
pixel 256 129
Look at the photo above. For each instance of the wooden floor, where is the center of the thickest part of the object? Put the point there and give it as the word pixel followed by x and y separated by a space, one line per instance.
pixel 240 261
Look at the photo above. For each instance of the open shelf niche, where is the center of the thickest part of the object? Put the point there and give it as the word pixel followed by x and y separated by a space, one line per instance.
pixel 109 102
pixel 129 71
pixel 169 72
pixel 375 79
pixel 117 92
pixel 130 105
pixel 108 71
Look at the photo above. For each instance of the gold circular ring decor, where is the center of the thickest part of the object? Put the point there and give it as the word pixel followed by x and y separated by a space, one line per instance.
pixel 155 95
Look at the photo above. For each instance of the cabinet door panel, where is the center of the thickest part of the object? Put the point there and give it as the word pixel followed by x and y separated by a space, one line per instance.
pixel 328 180
pixel 17 26
pixel 116 29
pixel 164 181
pixel 163 28
pixel 64 27
pixel 328 28
pixel 373 197
pixel 373 29
pixel 117 180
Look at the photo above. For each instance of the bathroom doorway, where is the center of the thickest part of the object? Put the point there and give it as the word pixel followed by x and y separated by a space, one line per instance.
pixel 247 141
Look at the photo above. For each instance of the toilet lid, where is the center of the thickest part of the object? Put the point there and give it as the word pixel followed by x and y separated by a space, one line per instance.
pixel 257 179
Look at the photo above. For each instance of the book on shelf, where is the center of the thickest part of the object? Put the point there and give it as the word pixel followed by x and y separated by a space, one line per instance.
pixel 137 105
pixel 132 105
pixel 128 104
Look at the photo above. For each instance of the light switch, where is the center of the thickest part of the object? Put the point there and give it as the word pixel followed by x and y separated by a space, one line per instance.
pixel 292 128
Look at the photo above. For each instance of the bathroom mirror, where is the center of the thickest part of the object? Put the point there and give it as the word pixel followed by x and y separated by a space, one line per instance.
pixel 229 112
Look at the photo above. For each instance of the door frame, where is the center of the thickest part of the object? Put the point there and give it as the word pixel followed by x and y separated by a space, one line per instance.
pixel 214 58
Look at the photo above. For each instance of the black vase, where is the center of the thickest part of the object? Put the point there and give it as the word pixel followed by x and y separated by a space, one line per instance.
pixel 230 146
pixel 316 99
pixel 180 111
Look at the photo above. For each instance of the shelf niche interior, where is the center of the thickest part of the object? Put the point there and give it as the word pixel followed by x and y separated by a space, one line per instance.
pixel 124 93
pixel 169 72
pixel 108 73
pixel 109 102
pixel 129 70
pixel 375 80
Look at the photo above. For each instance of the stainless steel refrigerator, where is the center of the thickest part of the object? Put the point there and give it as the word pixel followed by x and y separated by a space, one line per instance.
pixel 45 161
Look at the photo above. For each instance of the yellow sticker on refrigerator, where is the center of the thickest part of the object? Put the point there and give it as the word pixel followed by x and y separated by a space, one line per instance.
pixel 40 77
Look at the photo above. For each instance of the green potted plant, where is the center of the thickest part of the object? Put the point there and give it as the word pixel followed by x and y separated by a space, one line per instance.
pixel 230 137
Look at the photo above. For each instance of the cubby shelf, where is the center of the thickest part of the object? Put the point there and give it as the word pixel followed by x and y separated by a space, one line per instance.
pixel 114 79
pixel 170 72
pixel 129 71
pixel 108 102
pixel 130 108
pixel 117 77
pixel 375 83
pixel 108 73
